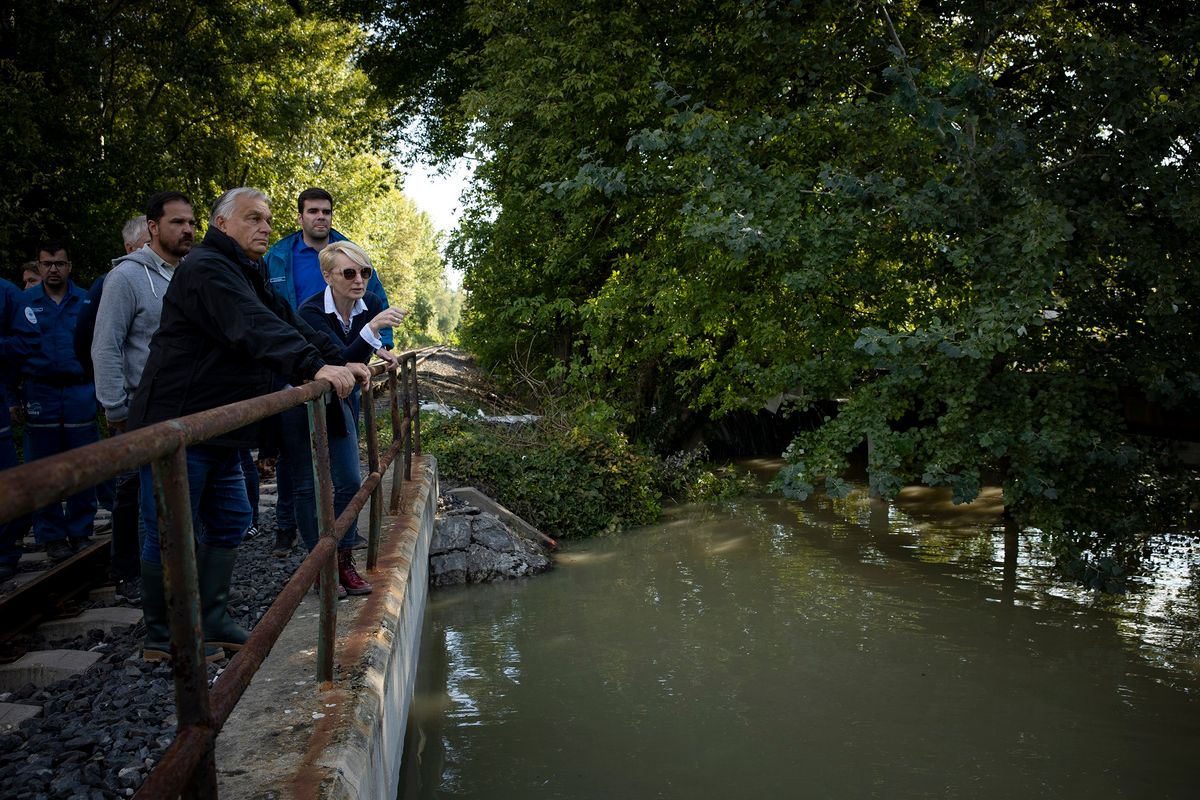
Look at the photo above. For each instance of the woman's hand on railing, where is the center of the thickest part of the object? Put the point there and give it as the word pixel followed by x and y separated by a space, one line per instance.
pixel 342 379
pixel 390 361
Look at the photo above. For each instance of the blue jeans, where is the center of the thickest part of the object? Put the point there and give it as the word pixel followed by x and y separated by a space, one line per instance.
pixel 250 470
pixel 296 453
pixel 127 530
pixel 72 518
pixel 218 494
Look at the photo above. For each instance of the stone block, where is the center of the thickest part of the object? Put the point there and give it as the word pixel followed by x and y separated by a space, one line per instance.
pixel 493 534
pixel 471 495
pixel 449 569
pixel 45 667
pixel 453 533
pixel 104 619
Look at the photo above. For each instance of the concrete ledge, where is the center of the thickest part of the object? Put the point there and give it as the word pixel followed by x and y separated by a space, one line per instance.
pixel 289 738
pixel 103 618
pixel 363 760
pixel 469 494
pixel 45 667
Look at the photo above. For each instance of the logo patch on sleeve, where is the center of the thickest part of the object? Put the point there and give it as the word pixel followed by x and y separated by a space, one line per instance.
pixel 29 315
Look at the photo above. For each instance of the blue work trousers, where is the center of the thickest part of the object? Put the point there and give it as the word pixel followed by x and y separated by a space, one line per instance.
pixel 73 517
pixel 220 508
pixel 13 531
pixel 297 472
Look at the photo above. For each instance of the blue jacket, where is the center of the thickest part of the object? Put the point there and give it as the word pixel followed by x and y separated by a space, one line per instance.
pixel 55 386
pixel 10 306
pixel 279 275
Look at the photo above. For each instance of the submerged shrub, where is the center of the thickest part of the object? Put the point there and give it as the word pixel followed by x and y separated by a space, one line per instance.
pixel 568 477
pixel 688 476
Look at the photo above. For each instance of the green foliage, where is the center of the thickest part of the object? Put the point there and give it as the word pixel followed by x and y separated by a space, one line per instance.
pixel 108 102
pixel 969 222
pixel 688 476
pixel 419 58
pixel 567 479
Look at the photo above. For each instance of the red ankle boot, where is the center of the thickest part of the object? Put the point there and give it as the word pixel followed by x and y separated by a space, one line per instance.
pixel 349 576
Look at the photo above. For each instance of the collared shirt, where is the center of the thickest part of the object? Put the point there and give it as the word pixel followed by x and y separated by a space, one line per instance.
pixel 307 279
pixel 358 308
pixel 170 268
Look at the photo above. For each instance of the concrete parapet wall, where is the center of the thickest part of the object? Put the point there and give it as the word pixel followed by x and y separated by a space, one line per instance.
pixel 289 738
pixel 364 761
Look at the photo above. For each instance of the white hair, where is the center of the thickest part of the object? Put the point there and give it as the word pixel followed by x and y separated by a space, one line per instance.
pixel 226 201
pixel 135 231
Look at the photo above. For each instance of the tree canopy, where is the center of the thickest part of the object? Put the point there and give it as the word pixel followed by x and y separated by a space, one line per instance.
pixel 967 221
pixel 104 103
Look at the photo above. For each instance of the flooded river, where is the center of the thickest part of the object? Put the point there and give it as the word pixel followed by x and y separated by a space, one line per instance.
pixel 831 648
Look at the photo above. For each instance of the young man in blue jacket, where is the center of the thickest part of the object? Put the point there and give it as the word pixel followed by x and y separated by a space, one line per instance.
pixel 292 266
pixel 59 399
pixel 293 270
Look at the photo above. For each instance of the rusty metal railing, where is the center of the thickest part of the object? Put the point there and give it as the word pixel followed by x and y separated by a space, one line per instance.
pixel 188 768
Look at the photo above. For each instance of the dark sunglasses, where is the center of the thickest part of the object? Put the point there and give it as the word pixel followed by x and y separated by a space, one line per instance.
pixel 349 272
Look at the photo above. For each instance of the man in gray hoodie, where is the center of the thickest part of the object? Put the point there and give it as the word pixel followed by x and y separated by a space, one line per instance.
pixel 126 320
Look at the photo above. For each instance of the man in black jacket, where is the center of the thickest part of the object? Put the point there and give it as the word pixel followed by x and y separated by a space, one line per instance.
pixel 222 335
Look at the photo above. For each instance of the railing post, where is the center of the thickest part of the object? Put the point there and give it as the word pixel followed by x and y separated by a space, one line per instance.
pixel 181 586
pixel 416 409
pixel 318 434
pixel 408 429
pixel 376 513
pixel 397 431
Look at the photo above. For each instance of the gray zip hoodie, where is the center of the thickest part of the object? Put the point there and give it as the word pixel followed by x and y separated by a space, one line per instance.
pixel 130 307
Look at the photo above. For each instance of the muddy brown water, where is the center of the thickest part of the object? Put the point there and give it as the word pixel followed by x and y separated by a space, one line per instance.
pixel 830 648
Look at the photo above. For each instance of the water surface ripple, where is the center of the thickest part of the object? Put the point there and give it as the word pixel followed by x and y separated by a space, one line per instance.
pixel 832 648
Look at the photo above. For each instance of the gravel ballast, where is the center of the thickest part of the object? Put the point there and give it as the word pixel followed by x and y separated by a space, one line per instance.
pixel 102 731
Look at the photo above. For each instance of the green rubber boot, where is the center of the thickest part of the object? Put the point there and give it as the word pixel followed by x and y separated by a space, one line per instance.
pixel 157 646
pixel 215 568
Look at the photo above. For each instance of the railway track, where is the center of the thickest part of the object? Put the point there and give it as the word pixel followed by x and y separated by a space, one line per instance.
pixel 48 591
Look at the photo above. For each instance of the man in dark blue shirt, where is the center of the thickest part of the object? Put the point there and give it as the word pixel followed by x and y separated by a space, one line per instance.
pixel 60 401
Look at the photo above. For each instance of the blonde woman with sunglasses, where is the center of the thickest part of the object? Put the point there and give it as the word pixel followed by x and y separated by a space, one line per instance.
pixel 353 318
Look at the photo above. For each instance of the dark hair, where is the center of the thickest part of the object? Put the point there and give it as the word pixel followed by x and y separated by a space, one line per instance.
pixel 154 206
pixel 51 246
pixel 313 194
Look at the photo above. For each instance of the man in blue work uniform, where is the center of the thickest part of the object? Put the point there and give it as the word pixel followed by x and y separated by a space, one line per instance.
pixel 294 272
pixel 60 402
pixel 13 531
